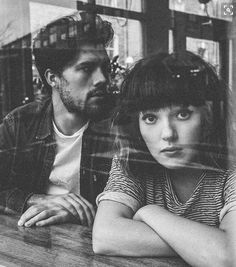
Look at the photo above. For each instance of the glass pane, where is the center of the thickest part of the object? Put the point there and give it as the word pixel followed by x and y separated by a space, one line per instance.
pixel 134 5
pixel 12 27
pixel 215 8
pixel 127 42
pixel 171 42
pixel 208 50
pixel 42 14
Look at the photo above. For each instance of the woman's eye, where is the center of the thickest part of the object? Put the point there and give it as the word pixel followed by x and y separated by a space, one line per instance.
pixel 184 114
pixel 149 119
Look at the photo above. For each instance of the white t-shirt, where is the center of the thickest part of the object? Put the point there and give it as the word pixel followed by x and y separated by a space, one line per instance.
pixel 65 174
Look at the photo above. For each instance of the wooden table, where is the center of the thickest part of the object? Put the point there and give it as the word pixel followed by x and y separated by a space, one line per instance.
pixel 60 245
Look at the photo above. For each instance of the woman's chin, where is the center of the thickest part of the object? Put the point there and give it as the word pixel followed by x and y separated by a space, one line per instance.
pixel 174 164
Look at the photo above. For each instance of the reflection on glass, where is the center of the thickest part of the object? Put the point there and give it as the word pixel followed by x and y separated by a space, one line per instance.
pixel 134 5
pixel 171 41
pixel 208 50
pixel 42 14
pixel 127 42
pixel 214 7
pixel 13 26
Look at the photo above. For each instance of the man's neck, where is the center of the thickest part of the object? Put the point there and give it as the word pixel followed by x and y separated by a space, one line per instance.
pixel 66 122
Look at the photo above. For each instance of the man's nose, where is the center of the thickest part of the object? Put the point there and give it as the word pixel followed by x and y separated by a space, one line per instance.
pixel 169 132
pixel 98 76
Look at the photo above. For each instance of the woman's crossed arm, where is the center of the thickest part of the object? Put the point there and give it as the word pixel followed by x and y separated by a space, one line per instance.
pixel 198 244
pixel 116 233
pixel 153 231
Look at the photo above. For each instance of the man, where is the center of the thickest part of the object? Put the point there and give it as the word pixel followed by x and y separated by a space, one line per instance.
pixel 53 155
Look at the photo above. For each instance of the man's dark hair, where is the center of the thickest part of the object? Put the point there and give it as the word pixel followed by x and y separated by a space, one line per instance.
pixel 57 44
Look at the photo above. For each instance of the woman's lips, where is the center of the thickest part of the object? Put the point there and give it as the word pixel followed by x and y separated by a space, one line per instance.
pixel 171 150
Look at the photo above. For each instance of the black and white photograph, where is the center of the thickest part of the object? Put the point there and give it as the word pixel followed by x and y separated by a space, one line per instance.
pixel 118 133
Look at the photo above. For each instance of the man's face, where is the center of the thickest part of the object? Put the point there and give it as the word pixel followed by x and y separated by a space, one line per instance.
pixel 83 83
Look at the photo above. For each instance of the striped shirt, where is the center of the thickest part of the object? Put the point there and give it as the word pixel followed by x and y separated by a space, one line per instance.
pixel 212 198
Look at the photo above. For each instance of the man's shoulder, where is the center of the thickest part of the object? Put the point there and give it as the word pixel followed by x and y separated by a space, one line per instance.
pixel 29 111
pixel 101 127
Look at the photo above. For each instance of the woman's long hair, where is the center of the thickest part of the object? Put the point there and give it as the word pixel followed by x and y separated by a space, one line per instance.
pixel 160 81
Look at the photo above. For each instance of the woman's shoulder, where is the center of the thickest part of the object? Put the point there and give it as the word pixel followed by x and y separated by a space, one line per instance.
pixel 220 177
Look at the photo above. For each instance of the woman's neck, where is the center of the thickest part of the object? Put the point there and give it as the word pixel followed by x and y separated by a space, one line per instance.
pixel 185 174
pixel 184 182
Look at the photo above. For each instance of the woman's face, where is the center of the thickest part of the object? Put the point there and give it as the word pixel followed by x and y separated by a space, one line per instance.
pixel 171 133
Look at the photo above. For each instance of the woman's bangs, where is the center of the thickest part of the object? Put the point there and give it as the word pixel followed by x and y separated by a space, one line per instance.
pixel 162 93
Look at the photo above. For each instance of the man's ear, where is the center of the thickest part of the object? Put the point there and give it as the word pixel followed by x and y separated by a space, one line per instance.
pixel 51 77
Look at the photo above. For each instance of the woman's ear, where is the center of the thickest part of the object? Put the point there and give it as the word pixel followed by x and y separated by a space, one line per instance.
pixel 51 78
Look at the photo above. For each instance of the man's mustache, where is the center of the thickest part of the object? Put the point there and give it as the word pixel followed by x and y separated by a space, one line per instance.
pixel 98 91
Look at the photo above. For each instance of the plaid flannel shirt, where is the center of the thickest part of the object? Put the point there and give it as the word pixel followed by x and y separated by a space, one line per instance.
pixel 27 152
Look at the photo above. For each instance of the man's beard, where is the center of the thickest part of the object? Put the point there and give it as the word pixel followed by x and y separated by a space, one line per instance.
pixel 92 109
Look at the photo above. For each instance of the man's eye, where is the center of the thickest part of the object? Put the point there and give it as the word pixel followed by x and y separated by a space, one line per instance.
pixel 87 69
pixel 184 114
pixel 149 119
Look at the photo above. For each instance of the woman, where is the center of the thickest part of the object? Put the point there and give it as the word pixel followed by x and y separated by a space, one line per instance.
pixel 168 192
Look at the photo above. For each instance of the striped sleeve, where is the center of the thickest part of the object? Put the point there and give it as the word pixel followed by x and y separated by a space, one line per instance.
pixel 229 195
pixel 123 188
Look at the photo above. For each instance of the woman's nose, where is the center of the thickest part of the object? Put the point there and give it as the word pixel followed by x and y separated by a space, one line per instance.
pixel 169 132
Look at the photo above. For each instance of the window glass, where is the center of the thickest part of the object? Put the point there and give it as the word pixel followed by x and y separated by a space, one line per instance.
pixel 171 42
pixel 215 8
pixel 13 27
pixel 208 50
pixel 42 14
pixel 134 5
pixel 127 42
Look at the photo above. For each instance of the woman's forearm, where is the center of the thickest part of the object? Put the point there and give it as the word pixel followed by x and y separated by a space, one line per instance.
pixel 196 243
pixel 120 235
pixel 127 237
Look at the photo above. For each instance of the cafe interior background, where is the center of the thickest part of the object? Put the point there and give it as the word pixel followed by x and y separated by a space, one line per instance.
pixel 142 28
